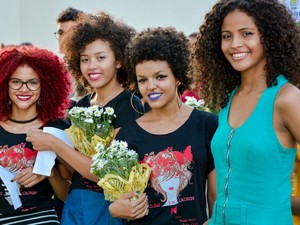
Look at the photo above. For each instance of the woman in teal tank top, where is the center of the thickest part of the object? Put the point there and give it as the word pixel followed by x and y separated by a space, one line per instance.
pixel 247 56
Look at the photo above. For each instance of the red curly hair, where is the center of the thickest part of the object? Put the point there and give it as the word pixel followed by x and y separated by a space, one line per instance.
pixel 55 82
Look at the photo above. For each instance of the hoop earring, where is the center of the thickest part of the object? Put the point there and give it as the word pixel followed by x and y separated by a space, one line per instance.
pixel 179 101
pixel 132 105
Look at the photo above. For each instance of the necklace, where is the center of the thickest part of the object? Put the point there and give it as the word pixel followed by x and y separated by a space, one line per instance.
pixel 24 121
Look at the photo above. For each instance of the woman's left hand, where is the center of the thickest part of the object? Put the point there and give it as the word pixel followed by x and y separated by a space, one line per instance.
pixel 27 179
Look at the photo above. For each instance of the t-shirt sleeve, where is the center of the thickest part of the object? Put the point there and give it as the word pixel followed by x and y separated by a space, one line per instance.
pixel 126 111
pixel 59 124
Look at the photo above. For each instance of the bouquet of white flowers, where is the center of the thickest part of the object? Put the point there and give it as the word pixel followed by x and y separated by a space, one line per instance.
pixel 90 125
pixel 119 170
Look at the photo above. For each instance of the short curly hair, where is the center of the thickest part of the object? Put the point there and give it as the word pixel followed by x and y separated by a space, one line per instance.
pixel 94 27
pixel 165 44
pixel 55 80
pixel 279 37
pixel 69 14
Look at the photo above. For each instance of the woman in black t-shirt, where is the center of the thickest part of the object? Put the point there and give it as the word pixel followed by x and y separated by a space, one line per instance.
pixel 34 93
pixel 94 52
pixel 173 138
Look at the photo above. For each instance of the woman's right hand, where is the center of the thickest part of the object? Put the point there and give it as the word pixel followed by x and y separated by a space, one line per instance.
pixel 129 209
pixel 40 140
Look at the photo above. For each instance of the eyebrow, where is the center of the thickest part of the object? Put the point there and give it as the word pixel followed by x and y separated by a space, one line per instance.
pixel 157 73
pixel 96 53
pixel 22 80
pixel 241 29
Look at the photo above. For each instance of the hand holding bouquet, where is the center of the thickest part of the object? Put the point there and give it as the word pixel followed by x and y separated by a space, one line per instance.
pixel 119 170
pixel 90 125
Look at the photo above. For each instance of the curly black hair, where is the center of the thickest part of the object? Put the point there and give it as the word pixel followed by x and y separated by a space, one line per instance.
pixel 164 44
pixel 279 37
pixel 93 27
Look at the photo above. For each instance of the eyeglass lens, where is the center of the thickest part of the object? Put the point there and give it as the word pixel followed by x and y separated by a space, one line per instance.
pixel 32 84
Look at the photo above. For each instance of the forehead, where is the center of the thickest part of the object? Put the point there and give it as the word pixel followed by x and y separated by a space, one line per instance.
pixel 97 46
pixel 238 20
pixel 24 72
pixel 152 67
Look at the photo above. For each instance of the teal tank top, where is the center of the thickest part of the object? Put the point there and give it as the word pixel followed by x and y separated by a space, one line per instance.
pixel 253 169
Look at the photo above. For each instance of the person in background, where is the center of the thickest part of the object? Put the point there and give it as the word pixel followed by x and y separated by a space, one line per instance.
pixel 173 138
pixel 193 89
pixel 94 52
pixel 34 93
pixel 247 57
pixel 66 20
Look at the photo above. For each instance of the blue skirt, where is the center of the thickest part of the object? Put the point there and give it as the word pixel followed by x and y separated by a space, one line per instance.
pixel 87 207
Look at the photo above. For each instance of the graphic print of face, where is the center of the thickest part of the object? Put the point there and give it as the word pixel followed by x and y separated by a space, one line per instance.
pixel 170 174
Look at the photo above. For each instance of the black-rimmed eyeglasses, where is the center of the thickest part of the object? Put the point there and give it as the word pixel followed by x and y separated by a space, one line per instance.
pixel 17 84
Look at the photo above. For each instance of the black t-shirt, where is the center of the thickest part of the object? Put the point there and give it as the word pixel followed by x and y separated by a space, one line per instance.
pixel 13 149
pixel 181 162
pixel 122 105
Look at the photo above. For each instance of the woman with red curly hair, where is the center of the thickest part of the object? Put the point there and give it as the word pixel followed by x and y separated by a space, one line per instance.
pixel 34 93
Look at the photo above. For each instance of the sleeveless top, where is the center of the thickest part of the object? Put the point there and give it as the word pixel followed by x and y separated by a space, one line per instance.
pixel 253 169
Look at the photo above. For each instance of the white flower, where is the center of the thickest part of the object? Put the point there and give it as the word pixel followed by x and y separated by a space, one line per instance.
pixel 109 111
pixel 89 120
pixel 123 145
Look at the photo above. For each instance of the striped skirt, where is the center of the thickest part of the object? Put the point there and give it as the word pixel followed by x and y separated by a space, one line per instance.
pixel 48 217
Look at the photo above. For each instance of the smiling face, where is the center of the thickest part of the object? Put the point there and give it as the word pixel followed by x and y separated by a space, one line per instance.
pixel 156 83
pixel 98 64
pixel 241 43
pixel 24 98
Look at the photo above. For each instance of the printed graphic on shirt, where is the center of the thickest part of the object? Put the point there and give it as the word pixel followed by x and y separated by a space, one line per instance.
pixel 16 157
pixel 170 174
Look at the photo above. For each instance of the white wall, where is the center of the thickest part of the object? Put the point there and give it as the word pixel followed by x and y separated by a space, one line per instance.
pixel 35 20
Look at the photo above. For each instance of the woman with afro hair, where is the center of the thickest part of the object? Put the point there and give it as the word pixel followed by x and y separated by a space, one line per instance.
pixel 173 138
pixel 34 93
pixel 247 57
pixel 94 51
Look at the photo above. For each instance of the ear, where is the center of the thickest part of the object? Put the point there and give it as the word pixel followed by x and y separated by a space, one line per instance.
pixel 118 65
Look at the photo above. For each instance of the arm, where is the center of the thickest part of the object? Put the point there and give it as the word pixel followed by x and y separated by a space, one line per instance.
pixel 287 117
pixel 46 141
pixel 59 184
pixel 287 125
pixel 211 191
pixel 129 209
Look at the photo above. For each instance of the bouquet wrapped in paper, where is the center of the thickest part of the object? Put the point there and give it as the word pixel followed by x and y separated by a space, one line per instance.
pixel 90 125
pixel 119 170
